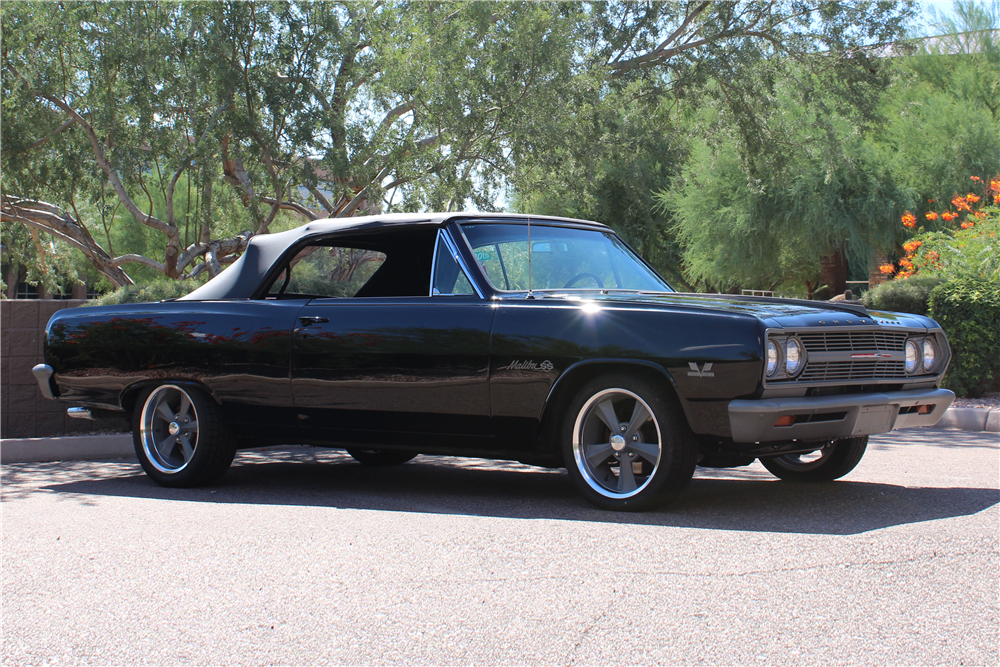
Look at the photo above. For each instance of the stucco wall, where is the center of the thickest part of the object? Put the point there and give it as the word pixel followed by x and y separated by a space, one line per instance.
pixel 24 412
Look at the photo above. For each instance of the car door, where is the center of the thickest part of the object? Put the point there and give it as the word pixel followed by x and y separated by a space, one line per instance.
pixel 397 369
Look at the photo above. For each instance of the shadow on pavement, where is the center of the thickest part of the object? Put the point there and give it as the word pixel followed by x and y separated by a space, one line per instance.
pixel 740 499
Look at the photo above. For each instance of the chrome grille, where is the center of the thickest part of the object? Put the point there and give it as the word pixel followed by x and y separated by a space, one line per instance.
pixel 852 370
pixel 853 341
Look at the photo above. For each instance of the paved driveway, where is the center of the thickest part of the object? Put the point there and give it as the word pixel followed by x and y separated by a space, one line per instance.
pixel 301 556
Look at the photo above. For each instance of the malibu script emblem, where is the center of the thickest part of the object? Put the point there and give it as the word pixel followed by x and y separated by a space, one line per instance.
pixel 704 372
pixel 527 365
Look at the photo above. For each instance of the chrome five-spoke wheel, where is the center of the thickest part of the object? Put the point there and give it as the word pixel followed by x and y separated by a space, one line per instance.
pixel 626 443
pixel 616 443
pixel 169 429
pixel 180 436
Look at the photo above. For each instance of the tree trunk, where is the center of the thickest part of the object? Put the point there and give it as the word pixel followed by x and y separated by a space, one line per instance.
pixel 833 271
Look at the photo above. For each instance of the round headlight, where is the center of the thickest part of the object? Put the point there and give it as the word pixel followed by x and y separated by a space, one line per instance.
pixel 912 355
pixel 772 358
pixel 929 354
pixel 793 356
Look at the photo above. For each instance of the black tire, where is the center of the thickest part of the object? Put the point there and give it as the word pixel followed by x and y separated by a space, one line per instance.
pixel 660 448
pixel 380 457
pixel 835 460
pixel 203 446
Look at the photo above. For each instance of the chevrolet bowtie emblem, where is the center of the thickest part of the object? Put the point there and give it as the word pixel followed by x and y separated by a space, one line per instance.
pixel 704 372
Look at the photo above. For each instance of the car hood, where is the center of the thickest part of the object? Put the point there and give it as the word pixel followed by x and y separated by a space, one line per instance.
pixel 775 312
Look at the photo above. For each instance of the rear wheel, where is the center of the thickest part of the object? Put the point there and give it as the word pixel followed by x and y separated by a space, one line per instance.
pixel 627 445
pixel 181 438
pixel 380 457
pixel 832 461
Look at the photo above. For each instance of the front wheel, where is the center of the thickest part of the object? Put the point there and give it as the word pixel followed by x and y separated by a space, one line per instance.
pixel 181 438
pixel 627 445
pixel 832 461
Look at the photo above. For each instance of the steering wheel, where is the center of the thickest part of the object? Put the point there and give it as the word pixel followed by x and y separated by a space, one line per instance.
pixel 580 276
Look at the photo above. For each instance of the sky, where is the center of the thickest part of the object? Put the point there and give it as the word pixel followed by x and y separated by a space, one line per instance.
pixel 941 6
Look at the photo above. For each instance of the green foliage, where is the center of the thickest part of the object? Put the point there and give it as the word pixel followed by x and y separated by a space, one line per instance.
pixel 614 154
pixel 903 295
pixel 738 231
pixel 968 309
pixel 160 290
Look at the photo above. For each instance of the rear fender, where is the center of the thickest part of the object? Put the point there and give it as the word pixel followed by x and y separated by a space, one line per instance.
pixel 131 394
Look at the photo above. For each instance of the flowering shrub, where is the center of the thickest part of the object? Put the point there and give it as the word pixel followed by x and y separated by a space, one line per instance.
pixel 969 245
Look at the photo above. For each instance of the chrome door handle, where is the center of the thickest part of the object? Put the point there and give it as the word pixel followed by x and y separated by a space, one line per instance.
pixel 315 319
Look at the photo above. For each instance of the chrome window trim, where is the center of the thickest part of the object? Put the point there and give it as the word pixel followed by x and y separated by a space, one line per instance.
pixel 443 236
pixel 911 332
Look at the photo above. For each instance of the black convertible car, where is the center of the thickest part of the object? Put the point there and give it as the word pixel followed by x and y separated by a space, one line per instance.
pixel 543 340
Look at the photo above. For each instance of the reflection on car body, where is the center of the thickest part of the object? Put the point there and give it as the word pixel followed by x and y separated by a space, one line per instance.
pixel 543 340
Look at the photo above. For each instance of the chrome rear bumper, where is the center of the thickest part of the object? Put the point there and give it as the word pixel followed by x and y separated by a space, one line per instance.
pixel 43 376
pixel 840 416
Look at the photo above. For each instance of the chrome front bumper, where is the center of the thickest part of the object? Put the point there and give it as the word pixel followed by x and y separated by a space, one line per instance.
pixel 840 416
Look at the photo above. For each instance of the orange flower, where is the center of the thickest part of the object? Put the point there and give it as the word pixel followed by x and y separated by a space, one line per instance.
pixel 976 179
pixel 979 214
pixel 905 274
pixel 933 256
pixel 948 216
pixel 911 246
pixel 886 268
pixel 906 263
pixel 930 215
pixel 995 185
pixel 909 220
pixel 971 197
pixel 968 225
pixel 960 203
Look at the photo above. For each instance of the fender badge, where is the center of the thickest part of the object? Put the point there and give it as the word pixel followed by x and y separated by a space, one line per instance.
pixel 527 365
pixel 704 372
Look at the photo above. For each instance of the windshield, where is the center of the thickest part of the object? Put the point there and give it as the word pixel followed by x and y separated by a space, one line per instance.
pixel 561 258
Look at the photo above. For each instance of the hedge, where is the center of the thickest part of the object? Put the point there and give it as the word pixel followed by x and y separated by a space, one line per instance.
pixel 968 309
pixel 903 295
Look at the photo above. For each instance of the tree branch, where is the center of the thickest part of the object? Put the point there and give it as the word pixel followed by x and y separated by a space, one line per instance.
pixel 61 225
pixel 44 140
pixel 291 206
pixel 139 259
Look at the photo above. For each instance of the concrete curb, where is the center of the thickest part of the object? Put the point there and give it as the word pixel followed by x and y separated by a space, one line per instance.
pixel 88 447
pixel 971 419
pixel 69 448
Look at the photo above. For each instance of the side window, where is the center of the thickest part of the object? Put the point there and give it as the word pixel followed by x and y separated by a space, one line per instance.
pixel 320 271
pixel 449 278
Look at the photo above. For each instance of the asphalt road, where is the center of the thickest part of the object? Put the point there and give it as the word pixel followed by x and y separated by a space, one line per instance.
pixel 301 556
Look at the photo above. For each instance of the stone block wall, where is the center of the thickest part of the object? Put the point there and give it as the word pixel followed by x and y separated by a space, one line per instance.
pixel 24 412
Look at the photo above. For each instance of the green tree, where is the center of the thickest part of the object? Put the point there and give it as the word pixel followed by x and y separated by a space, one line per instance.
pixel 737 231
pixel 228 113
pixel 198 123
pixel 944 109
pixel 724 75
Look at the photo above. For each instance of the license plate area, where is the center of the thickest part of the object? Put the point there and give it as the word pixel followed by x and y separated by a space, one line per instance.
pixel 875 419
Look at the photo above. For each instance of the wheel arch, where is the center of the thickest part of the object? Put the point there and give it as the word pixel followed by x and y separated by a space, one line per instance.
pixel 568 383
pixel 130 394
